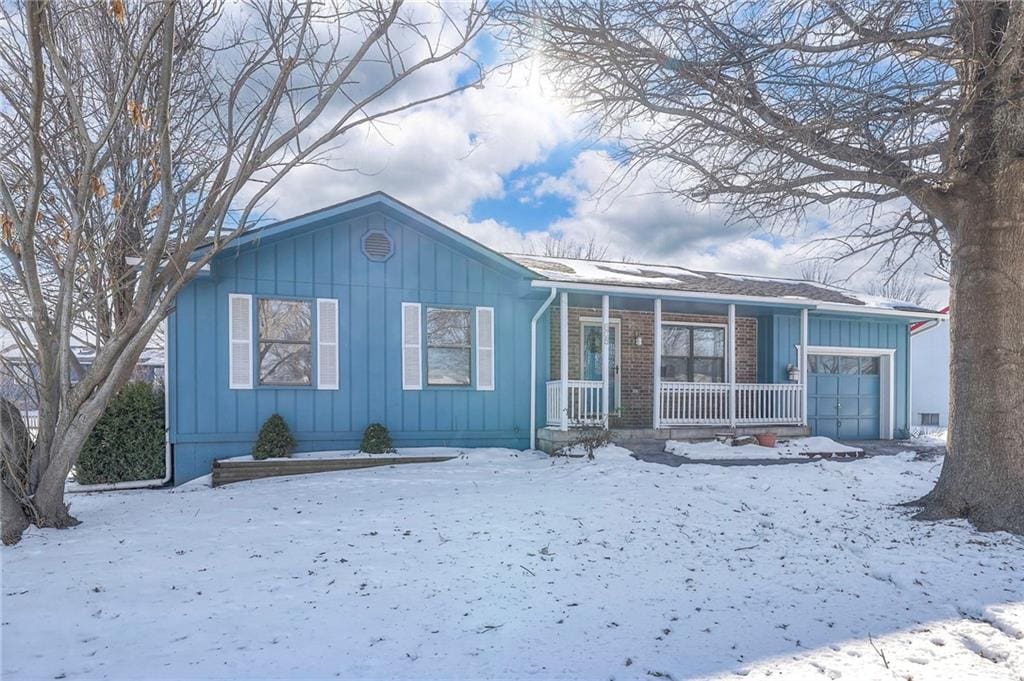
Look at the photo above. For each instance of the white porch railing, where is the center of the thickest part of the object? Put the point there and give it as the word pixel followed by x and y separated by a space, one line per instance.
pixel 584 403
pixel 698 404
pixel 768 403
pixel 707 404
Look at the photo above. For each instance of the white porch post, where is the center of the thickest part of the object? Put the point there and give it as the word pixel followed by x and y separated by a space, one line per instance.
pixel 605 379
pixel 657 363
pixel 731 363
pixel 563 364
pixel 802 359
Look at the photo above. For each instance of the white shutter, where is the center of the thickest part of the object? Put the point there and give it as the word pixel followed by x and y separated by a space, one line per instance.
pixel 327 344
pixel 412 359
pixel 485 348
pixel 240 341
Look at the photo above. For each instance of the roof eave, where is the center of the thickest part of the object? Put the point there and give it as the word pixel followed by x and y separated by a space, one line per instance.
pixel 767 301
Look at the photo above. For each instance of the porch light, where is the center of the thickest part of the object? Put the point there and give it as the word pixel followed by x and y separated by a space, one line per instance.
pixel 794 373
pixel 638 340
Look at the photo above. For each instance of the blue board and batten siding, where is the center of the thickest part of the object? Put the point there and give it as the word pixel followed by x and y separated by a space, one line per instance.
pixel 780 335
pixel 209 420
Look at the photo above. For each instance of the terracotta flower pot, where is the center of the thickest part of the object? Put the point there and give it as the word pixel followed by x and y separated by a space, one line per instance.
pixel 766 439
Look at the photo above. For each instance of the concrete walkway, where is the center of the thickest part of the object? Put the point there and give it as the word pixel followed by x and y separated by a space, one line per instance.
pixel 653 451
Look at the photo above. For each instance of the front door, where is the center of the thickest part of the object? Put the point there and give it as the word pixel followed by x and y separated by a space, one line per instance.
pixel 844 397
pixel 591 358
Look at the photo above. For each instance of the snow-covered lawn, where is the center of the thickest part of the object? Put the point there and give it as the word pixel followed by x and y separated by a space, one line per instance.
pixel 498 565
pixel 793 448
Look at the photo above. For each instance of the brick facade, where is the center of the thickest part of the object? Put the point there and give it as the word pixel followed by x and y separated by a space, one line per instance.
pixel 637 369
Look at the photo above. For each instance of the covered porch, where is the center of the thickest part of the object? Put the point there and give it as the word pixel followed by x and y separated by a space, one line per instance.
pixel 662 365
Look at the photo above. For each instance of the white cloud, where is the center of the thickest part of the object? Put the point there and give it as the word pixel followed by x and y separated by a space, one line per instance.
pixel 445 157
pixel 442 157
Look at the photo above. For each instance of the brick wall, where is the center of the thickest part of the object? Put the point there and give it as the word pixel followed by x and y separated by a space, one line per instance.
pixel 637 369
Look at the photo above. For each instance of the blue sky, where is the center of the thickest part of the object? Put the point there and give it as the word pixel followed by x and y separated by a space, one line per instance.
pixel 510 165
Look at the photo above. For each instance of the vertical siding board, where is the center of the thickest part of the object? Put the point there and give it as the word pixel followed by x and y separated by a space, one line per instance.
pixel 341 400
pixel 302 266
pixel 226 406
pixel 443 263
pixel 322 272
pixel 358 264
pixel 360 339
pixel 391 345
pixel 428 270
pixel 474 277
pixel 410 257
pixel 376 353
pixel 186 352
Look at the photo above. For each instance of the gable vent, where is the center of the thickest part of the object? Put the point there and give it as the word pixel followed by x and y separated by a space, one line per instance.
pixel 377 245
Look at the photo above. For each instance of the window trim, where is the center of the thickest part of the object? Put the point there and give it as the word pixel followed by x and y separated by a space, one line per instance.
pixel 469 310
pixel 258 339
pixel 691 357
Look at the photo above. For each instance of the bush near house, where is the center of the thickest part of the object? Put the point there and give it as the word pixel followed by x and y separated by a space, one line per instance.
pixel 275 440
pixel 588 439
pixel 376 440
pixel 128 441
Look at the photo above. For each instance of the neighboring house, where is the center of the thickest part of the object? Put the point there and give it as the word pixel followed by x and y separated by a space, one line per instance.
pixel 369 311
pixel 18 377
pixel 929 385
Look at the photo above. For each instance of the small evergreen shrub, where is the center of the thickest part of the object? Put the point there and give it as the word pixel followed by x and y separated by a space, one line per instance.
pixel 275 440
pixel 376 440
pixel 127 443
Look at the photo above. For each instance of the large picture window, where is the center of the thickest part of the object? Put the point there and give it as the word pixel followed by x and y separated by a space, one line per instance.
pixel 285 342
pixel 694 354
pixel 449 346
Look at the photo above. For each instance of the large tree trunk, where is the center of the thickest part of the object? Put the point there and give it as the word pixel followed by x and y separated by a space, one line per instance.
pixel 982 477
pixel 48 499
pixel 15 456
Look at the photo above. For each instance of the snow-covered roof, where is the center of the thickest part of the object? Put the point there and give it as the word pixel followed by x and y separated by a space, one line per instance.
pixel 673 278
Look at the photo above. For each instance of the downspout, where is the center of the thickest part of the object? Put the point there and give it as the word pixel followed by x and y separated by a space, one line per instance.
pixel 168 471
pixel 533 367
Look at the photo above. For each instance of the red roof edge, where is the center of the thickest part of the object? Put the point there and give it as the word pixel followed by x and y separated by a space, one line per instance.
pixel 917 326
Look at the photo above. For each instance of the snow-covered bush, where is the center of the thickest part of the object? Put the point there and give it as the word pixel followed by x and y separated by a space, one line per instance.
pixel 275 439
pixel 376 440
pixel 127 442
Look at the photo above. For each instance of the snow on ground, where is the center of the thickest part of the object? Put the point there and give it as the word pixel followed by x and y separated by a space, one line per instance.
pixel 513 565
pixel 925 435
pixel 795 448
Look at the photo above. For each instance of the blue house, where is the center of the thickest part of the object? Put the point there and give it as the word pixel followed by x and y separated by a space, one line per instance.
pixel 370 311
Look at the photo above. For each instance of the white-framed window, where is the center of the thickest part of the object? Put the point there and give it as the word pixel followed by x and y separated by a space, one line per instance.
pixel 449 346
pixel 929 419
pixel 692 354
pixel 454 346
pixel 285 341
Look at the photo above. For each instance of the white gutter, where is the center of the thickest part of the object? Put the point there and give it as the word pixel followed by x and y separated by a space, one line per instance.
pixel 804 303
pixel 841 307
pixel 140 484
pixel 135 261
pixel 533 367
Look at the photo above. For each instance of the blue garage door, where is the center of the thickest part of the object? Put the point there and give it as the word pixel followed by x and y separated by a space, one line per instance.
pixel 844 398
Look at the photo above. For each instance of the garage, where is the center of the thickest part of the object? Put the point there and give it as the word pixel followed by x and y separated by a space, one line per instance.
pixel 845 395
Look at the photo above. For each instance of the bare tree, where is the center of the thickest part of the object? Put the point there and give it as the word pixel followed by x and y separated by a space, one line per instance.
pixel 900 285
pixel 566 247
pixel 820 270
pixel 909 114
pixel 134 133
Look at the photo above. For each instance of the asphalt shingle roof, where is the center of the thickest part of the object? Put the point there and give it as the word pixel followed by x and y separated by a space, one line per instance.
pixel 673 278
